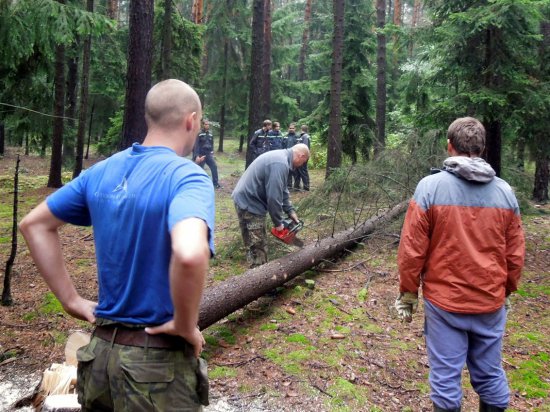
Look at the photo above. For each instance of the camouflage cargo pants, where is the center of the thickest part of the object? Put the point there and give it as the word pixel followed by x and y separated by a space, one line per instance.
pixel 254 236
pixel 114 377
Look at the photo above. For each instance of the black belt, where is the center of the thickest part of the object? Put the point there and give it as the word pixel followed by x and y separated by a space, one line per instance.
pixel 138 337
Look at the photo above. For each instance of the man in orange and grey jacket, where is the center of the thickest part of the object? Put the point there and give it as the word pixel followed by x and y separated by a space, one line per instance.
pixel 462 240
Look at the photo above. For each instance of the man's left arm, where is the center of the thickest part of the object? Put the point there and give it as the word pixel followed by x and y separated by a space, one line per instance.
pixel 40 230
pixel 188 270
pixel 515 253
pixel 278 200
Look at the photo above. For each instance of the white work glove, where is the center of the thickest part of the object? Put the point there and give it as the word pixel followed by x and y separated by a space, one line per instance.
pixel 508 304
pixel 406 304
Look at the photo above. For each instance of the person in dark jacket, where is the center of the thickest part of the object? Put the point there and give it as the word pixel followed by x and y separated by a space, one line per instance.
pixel 275 137
pixel 263 189
pixel 463 243
pixel 259 143
pixel 302 174
pixel 203 152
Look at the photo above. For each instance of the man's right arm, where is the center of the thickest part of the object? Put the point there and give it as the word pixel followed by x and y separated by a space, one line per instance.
pixel 252 142
pixel 40 230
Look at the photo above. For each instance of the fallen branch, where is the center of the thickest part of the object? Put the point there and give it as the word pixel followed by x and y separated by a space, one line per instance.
pixel 240 363
pixel 320 389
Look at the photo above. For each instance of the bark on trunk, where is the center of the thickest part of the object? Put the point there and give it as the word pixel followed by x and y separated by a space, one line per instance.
pixel 90 130
pixel 72 97
pixel 83 112
pixel 266 66
pixel 542 170
pixel 224 94
pixel 415 17
pixel 166 46
pixel 255 116
pixel 380 79
pixel 305 42
pixel 138 78
pixel 197 11
pixel 6 292
pixel 334 149
pixel 54 179
pixel 493 145
pixel 226 297
pixel 397 13
pixel 112 9
pixel 2 139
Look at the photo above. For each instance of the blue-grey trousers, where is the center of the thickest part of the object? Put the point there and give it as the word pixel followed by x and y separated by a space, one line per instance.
pixel 211 163
pixel 454 339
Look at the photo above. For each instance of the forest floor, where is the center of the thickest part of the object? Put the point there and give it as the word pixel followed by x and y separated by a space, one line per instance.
pixel 336 346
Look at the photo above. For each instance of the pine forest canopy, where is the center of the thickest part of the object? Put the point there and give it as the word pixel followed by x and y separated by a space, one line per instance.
pixel 439 60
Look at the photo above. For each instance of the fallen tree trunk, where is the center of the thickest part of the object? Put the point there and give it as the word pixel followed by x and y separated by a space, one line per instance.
pixel 238 291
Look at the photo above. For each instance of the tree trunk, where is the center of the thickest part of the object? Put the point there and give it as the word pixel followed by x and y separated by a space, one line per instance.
pixel 112 9
pixel 238 291
pixel 166 46
pixel 138 77
pixel 2 139
pixel 416 13
pixel 266 64
pixel 72 84
pixel 334 149
pixel 540 188
pixel 224 93
pixel 54 179
pixel 493 144
pixel 83 112
pixel 520 153
pixel 6 292
pixel 90 130
pixel 255 116
pixel 305 42
pixel 414 23
pixel 197 10
pixel 397 13
pixel 380 143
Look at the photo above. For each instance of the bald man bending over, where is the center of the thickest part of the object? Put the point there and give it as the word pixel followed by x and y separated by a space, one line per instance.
pixel 263 189
pixel 152 212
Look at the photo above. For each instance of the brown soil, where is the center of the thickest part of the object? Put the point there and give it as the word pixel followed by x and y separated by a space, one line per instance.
pixel 361 356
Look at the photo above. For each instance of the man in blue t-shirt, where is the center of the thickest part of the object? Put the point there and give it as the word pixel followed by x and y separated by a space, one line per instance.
pixel 152 212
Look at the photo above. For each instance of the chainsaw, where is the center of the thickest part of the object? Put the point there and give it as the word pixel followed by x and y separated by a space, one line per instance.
pixel 288 233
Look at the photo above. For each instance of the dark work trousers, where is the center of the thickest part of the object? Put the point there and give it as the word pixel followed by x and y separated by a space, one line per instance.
pixel 291 178
pixel 209 160
pixel 302 174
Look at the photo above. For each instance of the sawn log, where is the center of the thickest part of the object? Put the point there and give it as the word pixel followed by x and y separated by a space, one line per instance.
pixel 226 297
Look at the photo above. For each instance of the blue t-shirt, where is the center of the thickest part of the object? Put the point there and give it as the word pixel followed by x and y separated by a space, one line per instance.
pixel 133 199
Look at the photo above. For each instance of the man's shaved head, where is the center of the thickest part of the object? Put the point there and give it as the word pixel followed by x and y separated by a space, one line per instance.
pixel 168 102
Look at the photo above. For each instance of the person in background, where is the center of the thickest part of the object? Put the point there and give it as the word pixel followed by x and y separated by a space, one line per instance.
pixel 289 141
pixel 463 243
pixel 262 189
pixel 275 138
pixel 302 174
pixel 259 143
pixel 152 211
pixel 203 152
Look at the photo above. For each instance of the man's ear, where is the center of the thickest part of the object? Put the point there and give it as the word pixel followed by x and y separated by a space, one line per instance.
pixel 450 148
pixel 190 120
